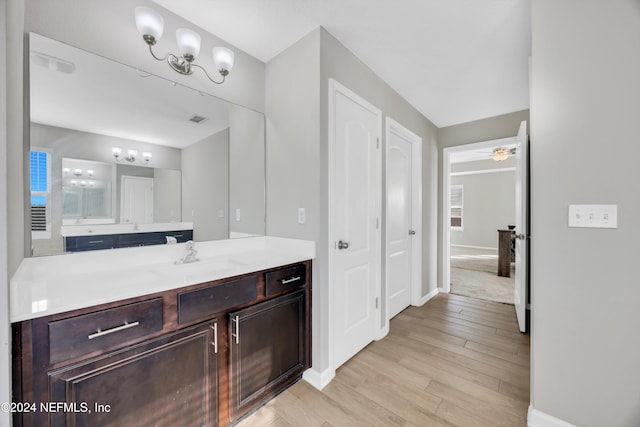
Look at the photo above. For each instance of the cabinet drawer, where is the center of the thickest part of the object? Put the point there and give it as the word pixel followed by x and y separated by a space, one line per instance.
pixel 73 337
pixel 204 302
pixel 91 243
pixel 285 279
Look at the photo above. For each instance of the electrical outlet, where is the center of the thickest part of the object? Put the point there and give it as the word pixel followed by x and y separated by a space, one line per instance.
pixel 302 215
pixel 593 216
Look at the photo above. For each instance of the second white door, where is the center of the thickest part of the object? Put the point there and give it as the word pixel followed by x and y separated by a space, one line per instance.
pixel 403 231
pixel 398 223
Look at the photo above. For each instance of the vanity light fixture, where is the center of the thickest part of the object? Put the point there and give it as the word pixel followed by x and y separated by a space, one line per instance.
pixel 66 171
pixel 77 172
pixel 150 25
pixel 131 156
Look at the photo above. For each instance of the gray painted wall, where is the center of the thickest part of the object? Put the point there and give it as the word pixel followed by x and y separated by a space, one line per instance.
pixel 504 126
pixel 5 370
pixel 489 202
pixel 205 186
pixel 167 195
pixel 584 114
pixel 297 157
pixel 246 171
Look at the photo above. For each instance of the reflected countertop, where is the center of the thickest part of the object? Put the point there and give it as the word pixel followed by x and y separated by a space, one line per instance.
pixel 102 229
pixel 55 284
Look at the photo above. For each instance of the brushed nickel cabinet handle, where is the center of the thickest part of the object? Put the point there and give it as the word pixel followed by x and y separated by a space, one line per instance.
pixel 291 280
pixel 237 334
pixel 101 333
pixel 215 337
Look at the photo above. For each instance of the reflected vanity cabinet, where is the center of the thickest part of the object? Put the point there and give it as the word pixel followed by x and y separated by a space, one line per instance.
pixel 202 355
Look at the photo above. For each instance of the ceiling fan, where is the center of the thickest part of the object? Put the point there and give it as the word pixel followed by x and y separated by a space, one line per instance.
pixel 502 153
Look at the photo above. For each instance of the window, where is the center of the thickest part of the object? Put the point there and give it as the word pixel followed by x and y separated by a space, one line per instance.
pixel 456 204
pixel 39 165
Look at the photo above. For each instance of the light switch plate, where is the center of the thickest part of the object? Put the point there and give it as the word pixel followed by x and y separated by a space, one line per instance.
pixel 237 214
pixel 593 216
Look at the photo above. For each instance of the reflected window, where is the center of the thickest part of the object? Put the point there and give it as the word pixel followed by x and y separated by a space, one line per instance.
pixel 457 202
pixel 40 176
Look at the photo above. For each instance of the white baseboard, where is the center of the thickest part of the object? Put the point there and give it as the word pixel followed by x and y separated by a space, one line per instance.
pixel 475 247
pixel 383 332
pixel 537 418
pixel 318 379
pixel 427 297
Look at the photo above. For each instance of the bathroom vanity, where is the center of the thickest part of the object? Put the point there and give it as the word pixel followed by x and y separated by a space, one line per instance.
pixel 198 344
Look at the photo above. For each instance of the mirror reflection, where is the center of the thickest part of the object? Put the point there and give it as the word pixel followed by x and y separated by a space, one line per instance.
pixel 87 192
pixel 115 150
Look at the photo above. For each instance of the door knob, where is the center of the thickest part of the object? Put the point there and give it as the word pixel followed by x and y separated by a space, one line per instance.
pixel 412 232
pixel 342 245
pixel 520 236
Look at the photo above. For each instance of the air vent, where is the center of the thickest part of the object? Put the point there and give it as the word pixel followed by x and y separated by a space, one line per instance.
pixel 197 119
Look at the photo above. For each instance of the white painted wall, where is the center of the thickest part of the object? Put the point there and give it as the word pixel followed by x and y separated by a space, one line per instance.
pixel 585 106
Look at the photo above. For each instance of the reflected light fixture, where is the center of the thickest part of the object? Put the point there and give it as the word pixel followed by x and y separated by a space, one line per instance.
pixel 502 153
pixel 131 156
pixel 150 25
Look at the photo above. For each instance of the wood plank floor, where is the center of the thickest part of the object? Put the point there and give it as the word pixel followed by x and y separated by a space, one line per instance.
pixel 456 361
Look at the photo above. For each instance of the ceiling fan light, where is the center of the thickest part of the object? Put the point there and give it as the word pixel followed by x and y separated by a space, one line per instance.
pixel 223 58
pixel 149 22
pixel 188 42
pixel 500 154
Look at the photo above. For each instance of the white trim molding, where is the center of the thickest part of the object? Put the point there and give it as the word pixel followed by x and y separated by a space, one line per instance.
pixel 318 379
pixel 537 418
pixel 427 297
pixel 479 172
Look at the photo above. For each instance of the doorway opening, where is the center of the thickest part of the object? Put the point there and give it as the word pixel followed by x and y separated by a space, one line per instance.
pixel 484 207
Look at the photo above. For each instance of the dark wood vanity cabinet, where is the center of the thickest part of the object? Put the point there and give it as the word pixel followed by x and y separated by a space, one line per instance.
pixel 166 381
pixel 267 350
pixel 201 355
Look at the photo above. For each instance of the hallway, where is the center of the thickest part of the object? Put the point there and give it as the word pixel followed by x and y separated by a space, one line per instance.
pixel 454 361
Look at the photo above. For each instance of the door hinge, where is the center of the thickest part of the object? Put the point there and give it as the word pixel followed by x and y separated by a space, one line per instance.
pixel 377 223
pixel 376 302
pixel 377 142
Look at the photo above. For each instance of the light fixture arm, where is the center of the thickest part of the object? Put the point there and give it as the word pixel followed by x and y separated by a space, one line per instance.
pixel 153 54
pixel 223 73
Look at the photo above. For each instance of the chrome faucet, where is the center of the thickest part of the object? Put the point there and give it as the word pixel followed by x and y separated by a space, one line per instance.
pixel 190 256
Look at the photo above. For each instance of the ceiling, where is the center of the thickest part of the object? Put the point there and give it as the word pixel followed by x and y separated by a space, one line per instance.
pixel 455 61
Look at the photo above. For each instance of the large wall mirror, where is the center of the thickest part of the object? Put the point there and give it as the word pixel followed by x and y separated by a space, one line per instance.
pixel 114 149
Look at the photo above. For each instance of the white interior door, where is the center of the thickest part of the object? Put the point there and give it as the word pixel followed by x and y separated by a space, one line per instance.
pixel 136 202
pixel 520 294
pixel 400 231
pixel 354 221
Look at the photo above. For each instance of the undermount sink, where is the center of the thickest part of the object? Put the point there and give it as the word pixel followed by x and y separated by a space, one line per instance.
pixel 202 270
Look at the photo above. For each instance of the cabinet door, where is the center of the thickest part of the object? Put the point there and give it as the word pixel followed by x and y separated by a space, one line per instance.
pixel 167 381
pixel 268 350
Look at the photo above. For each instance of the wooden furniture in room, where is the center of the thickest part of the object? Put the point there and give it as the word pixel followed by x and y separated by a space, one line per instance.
pixel 199 355
pixel 504 253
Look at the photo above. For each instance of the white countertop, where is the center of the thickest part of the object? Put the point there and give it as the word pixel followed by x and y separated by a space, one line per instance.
pixel 102 229
pixel 54 284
